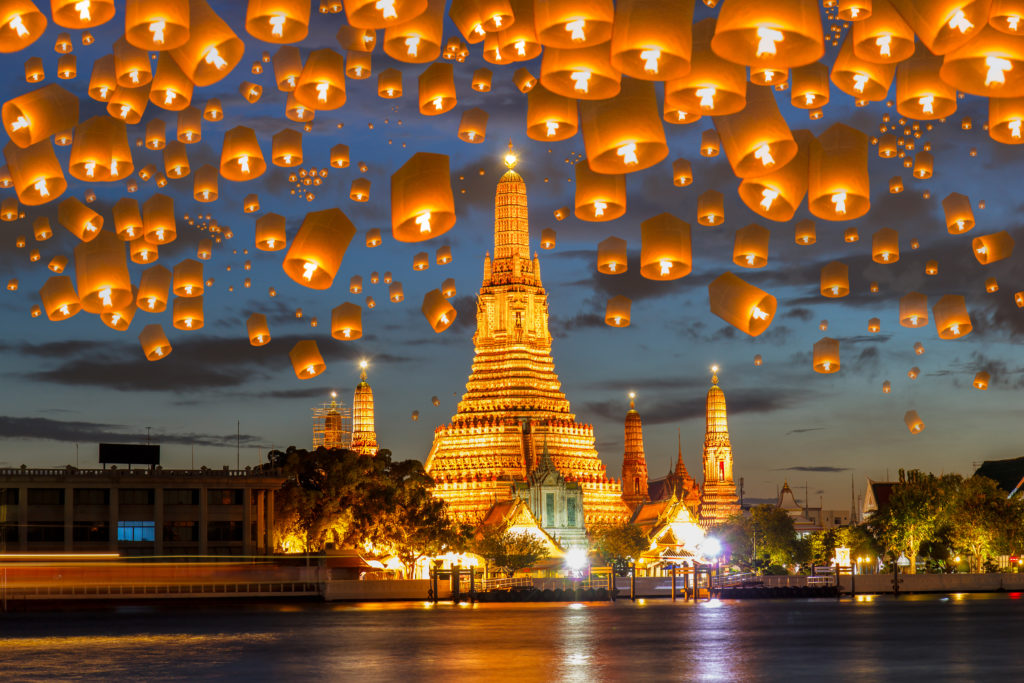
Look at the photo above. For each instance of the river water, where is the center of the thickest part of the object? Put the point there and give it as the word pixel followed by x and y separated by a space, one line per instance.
pixel 933 638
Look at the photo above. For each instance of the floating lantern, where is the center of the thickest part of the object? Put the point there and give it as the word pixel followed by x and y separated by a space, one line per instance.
pixel 156 134
pixel 188 278
pixel 187 313
pixel 157 26
pixel 682 173
pixel 886 387
pixel 711 208
pixel 339 156
pixel 1004 119
pixel 913 310
pixel 443 255
pixel 270 232
pixel 241 157
pixel 919 348
pixel 34 71
pixel 287 67
pixel 758 360
pixel 373 237
pixel 750 247
pixel 190 127
pixel 129 104
pixel 473 125
pixel 548 238
pixel 570 24
pixel 584 73
pixel 213 111
pixel 395 292
pixel 437 89
pixel 981 380
pixel 131 65
pixel 212 50
pixel 176 163
pixel 931 268
pixel 826 356
pixel 859 78
pixel 951 318
pixel 810 86
pixel 41 229
pixel 417 39
pixel 355 284
pixel 923 164
pixel 741 304
pixel 990 65
pixel 286 148
pixel 874 325
pixel 321 85
pixel 23 25
pixel 943 25
pixel 598 196
pixel 776 195
pixel 913 422
pixel 895 185
pixel 850 235
pixel 959 216
pixel 204 252
pixel 617 311
pixel 913 373
pixel 835 280
pixel 550 117
pixel 100 151
pixel 422 203
pixel 79 219
pixel 883 37
pixel 360 190
pixel 101 272
pixel 611 256
pixel 713 85
pixel 838 187
pixel 776 34
pixel 920 93
pixel 159 224
pixel 347 322
pixel 76 14
pixel 277 21
pixel 665 248
pixel 121 319
pixel 306 359
pixel 421 261
pixel 652 41
pixel 624 133
pixel 991 248
pixel 258 330
pixel 524 80
pixel 60 301
pixel 804 233
pixel 991 285
pixel 389 84
pixel 885 246
pixel 438 310
pixel 37 115
pixel 204 187
pixel 448 288
pixel 142 251
pixel 316 251
pixel 481 80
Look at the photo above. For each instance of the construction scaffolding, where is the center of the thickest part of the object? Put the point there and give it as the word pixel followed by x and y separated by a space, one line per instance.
pixel 332 424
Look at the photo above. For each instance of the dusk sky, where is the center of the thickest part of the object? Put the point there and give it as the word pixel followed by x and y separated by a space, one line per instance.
pixel 80 382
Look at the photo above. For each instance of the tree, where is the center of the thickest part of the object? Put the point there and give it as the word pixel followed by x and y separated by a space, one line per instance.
pixel 618 544
pixel 823 544
pixel 912 515
pixel 758 540
pixel 509 551
pixel 981 520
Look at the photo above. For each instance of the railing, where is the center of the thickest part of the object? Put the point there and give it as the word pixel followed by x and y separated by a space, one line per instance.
pixel 128 473
pixel 497 584
pixel 191 589
pixel 744 579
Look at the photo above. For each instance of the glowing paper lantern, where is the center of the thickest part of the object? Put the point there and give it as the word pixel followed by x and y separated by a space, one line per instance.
pixel 321 85
pixel 518 41
pixel 895 185
pixel 682 173
pixel 395 292
pixel 37 115
pixel 34 71
pixel 160 25
pixel 711 208
pixel 277 21
pixel 652 40
pixel 35 172
pixel 438 311
pixel 417 39
pixel 79 219
pixel 422 203
pixel 100 151
pixel 611 256
pixel 188 278
pixel 665 249
pixel 931 268
pixel 838 187
pixel 373 238
pixel 874 325
pixel 129 104
pixel 524 80
pixel 270 232
pixel 850 235
pixel 993 247
pixel 710 143
pixel 60 301
pixel 951 317
pixel 443 256
pixel 482 80
pixel 920 92
pixel 437 89
pixel 548 238
pixel 131 65
pixel 389 83
pixel 883 37
pixel 991 285
pixel 156 135
pixel 943 25
pixel 355 284
pixel 991 64
pixel 859 78
pixel 599 196
pixel 617 311
pixel 885 246
pixel 213 111
pixel 41 229
pixel 77 14
pixel 187 313
pixel 741 304
pixel 127 219
pixel 67 67
pixel 913 310
pixel 120 319
pixel 923 165
pixel 810 86
pixel 959 216
pixel 473 125
pixel 776 195
pixel 448 288
pixel 585 73
pixel 316 251
pixel 360 190
pixel 550 116
pixel 835 280
pixel 571 24
pixel 779 34
pixel 23 24
pixel 624 133
pixel 805 233
pixel 101 273
pixel 750 247
pixel 153 287
pixel 190 127
pixel 826 356
pixel 241 157
pixel 714 85
pixel 158 221
pixel 286 148
pixel 212 50
pixel 205 184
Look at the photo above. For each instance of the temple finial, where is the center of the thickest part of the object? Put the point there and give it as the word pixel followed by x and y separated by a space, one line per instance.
pixel 714 374
pixel 362 365
pixel 632 400
pixel 511 158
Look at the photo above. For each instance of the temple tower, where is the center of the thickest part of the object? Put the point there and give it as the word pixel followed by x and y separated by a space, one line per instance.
pixel 634 463
pixel 364 438
pixel 513 400
pixel 718 500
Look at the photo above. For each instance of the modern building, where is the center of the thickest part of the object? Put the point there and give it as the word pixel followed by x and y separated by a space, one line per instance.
pixel 138 511
pixel 513 403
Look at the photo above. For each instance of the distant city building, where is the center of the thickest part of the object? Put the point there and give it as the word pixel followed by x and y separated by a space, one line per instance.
pixel 808 519
pixel 364 436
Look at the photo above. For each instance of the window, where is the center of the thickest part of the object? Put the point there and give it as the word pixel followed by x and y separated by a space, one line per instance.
pixel 570 505
pixel 549 512
pixel 8 532
pixel 224 496
pixel 224 531
pixel 91 532
pixel 46 496
pixel 181 532
pixel 135 496
pixel 136 532
pixel 181 496
pixel 46 533
pixel 636 486
pixel 8 496
pixel 92 496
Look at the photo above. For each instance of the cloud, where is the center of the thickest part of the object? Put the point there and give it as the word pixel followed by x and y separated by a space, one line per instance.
pixel 803 430
pixel 814 468
pixel 748 401
pixel 75 431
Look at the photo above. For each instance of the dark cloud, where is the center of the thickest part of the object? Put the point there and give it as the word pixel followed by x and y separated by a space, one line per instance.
pixel 813 468
pixel 803 430
pixel 799 312
pixel 669 411
pixel 86 432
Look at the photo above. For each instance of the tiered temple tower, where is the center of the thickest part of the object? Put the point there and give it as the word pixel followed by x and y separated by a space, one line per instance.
pixel 634 463
pixel 718 500
pixel 513 401
pixel 364 438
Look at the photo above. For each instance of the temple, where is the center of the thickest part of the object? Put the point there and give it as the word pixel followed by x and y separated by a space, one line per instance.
pixel 513 405
pixel 634 463
pixel 364 438
pixel 718 499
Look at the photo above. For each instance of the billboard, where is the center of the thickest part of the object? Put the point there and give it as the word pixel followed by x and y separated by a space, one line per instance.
pixel 129 454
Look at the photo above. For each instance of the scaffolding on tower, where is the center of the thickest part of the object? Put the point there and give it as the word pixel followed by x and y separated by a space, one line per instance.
pixel 332 424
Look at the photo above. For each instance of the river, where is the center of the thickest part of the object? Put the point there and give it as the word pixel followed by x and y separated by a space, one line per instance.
pixel 953 637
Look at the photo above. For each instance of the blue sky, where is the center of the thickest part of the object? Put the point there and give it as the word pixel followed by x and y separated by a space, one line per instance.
pixel 79 382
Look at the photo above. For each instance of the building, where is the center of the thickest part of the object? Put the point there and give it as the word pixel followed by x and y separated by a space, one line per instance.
pixel 332 424
pixel 876 496
pixel 677 483
pixel 364 436
pixel 718 499
pixel 513 401
pixel 672 530
pixel 1009 474
pixel 138 511
pixel 634 463
pixel 556 504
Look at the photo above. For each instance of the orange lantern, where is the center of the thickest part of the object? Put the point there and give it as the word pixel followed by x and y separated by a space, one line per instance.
pixel 160 25
pixel 121 319
pixel 321 84
pixel 874 325
pixel 758 360
pixel 838 187
pixel 778 34
pixel 550 116
pixel 153 287
pixel 100 150
pixel 710 143
pixel 923 164
pixel 1018 298
pixel 213 111
pixel 373 237
pixel 422 203
pixel 286 148
pixel 212 50
pixel 205 249
pixel 23 24
pixel 913 310
pixel 129 104
pixel 931 268
pixel 711 208
pixel 154 342
pixel 76 14
pixel 473 125
pixel 991 285
pixel 421 261
pixel 41 229
pixel 389 84
pixel 287 67
pixel 518 40
pixel 860 78
pixel 959 216
pixel 741 304
pixel 1004 119
pixel 682 173
pixel 826 356
pixel 611 256
pixel 131 65
pixel 67 67
pixel 176 163
pixel 944 25
pixel 360 190
pixel 127 219
pixel 277 21
pixel 448 288
pixel 79 219
pixel 187 313
pixel 548 238
pixel 810 86
pixel 885 246
pixel 920 92
pixel 913 422
pixel 850 235
pixel 188 278
pixel 37 115
pixel 316 251
pixel 617 310
pixel 951 318
pixel 142 251
pixel 883 37
pixel 918 349
pixel 437 89
pixel 258 330
pixel 438 311
pixel 395 292
pixel 895 184
pixel 805 233
pixel 599 196
pixel 355 284
pixel 568 24
pixel 357 39
pixel 835 280
pixel 60 301
pixel 750 248
pixel 347 322
pixel 585 73
pixel 714 85
pixel 482 80
pixel 624 133
pixel 241 157
pixel 339 156
pixel 204 187
pixel 250 91
pixel 776 195
pixel 34 71
pixel 158 221
pixel 270 232
pixel 443 255
pixel 102 81
pixel 991 248
pixel 665 248
pixel 417 38
pixel 652 41
pixel 524 80
pixel 981 380
pixel 101 272
pixel 35 172
pixel 989 65
pixel 156 135
pixel 190 126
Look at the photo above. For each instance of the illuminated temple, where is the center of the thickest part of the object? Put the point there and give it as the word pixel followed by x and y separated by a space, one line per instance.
pixel 513 405
pixel 718 500
pixel 364 437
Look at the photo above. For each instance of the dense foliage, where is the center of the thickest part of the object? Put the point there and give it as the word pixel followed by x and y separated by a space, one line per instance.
pixel 618 544
pixel 509 551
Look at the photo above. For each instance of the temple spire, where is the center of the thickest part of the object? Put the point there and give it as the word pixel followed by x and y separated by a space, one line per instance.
pixel 364 435
pixel 634 462
pixel 718 497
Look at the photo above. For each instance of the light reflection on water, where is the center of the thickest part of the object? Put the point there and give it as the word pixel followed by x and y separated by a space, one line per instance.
pixel 963 638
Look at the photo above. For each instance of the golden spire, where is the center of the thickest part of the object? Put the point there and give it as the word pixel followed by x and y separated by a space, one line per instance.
pixel 632 400
pixel 714 374
pixel 362 374
pixel 511 158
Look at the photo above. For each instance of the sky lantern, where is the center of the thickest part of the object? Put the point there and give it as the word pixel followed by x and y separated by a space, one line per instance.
pixel 317 249
pixel 9 209
pixel 287 64
pixel 778 34
pixel 77 14
pixel 355 39
pixel 34 70
pixel 473 125
pixel 374 14
pixel 23 25
pixel 548 238
pixel 611 256
pixel 652 40
pixel 853 10
pixel 101 273
pixel 321 85
pixel 127 219
pixel 711 208
pixel 360 190
pixel 741 304
pixel 682 173
pixel 257 329
pixel 156 135
pixel 251 203
pixel 41 229
pixel 951 317
pixel 422 203
pixel 874 325
pixel 835 280
pixel 60 301
pixel 524 80
pixel 624 133
pixel 518 41
pixel 170 89
pixel 1018 298
pixel 389 83
pixel 142 251
pixel 129 104
pixel 100 150
pixel 959 216
pixel 931 268
pixel 895 184
pixel 924 163
pixel 79 219
pixel 102 81
pixel 944 25
pixel 920 93
pixel 838 187
pixel 39 114
pixel 810 89
pixel 373 238
pixel 204 187
pixel 421 261
pixel 776 195
pixel 993 247
pixel 187 313
pixel 919 348
pixel 804 233
pixel 482 80
pixel 1004 119
pixel 860 78
pixel 758 360
pixel 67 67
pixel 914 422
pixel 850 235
pixel 826 356
pixel 665 248
pixel 991 64
pixel 991 285
pixel 131 65
pixel 306 359
pixel 158 220
pixel 270 232
pixel 213 111
pixel 188 278
pixel 583 74
pixel 416 40
pixel 550 117
pixel 448 288
pixel 598 196
pixel 981 380
pixel 1006 15
pixel 339 156
pixel 710 143
pixel 190 126
pixel 913 310
pixel 241 157
pixel 63 44
pixel 885 246
pixel 438 310
pixel 569 24
pixel 355 284
pixel 204 250
pixel 467 18
pixel 176 164
pixel 212 50
pixel 347 322
pixel 35 172
pixel 395 292
pixel 154 283
pixel 750 247
pixel 437 89
pixel 121 319
pixel 286 148
pixel 277 21
pixel 617 311
pixel 443 255
pixel 714 85
pixel 883 37
pixel 156 26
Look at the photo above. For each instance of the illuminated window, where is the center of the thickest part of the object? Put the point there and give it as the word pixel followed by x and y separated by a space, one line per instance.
pixel 136 532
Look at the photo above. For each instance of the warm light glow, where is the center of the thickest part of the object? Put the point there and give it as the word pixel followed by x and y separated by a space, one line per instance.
pixel 764 153
pixel 243 164
pixel 363 364
pixel 651 57
pixel 576 27
pixel 1014 126
pixel 954 329
pixel 387 8
pixel 767 197
pixel 157 29
pixel 134 75
pixel 104 92
pixel 443 319
pixel 913 320
pixel 757 314
pixel 277 24
pixel 884 44
pixel 1012 22
pixel 599 208
pixel 666 266
pixel 169 96
pixel 125 110
pixel 809 98
pixel 859 81
pixel 552 127
pixel 438 103
pixel 997 66
pixel 321 91
pixel 413 43
pixel 582 80
pixel 520 46
pixel 83 7
pixel 612 266
pixel 152 302
pixel 927 103
pixel 959 21
pixel 213 57
pixel 308 268
pixel 90 168
pixel 707 97
pixel 628 153
pixel 17 24
pixel 839 199
pixel 768 38
pixel 750 259
pixel 423 220
pixel 105 294
pixel 19 123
